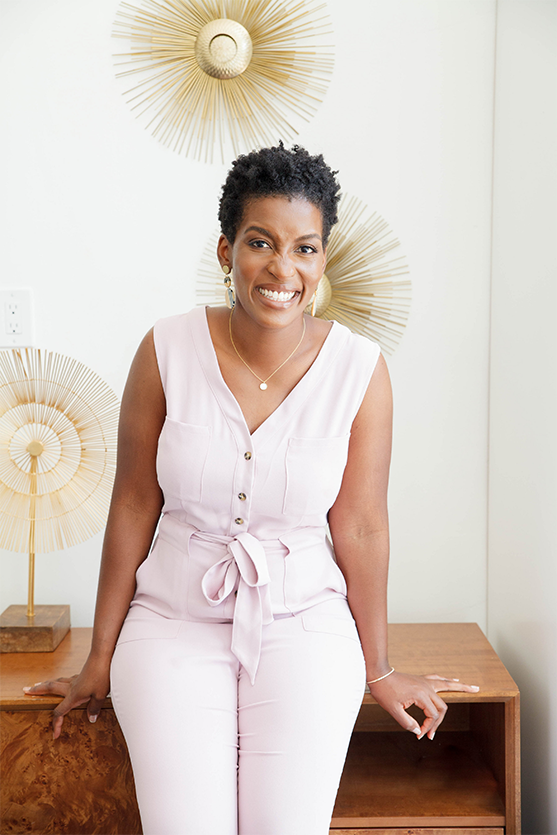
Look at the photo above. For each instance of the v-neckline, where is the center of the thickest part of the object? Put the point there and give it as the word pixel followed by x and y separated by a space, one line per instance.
pixel 303 383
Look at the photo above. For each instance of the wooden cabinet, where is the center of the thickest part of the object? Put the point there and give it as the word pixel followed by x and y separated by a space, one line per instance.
pixel 467 780
pixel 464 782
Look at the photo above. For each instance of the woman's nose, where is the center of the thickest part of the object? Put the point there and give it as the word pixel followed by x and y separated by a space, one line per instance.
pixel 281 266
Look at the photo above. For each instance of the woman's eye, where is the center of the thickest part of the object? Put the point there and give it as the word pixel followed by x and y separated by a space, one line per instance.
pixel 259 244
pixel 307 249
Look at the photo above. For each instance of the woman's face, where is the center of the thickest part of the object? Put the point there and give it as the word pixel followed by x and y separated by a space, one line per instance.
pixel 277 258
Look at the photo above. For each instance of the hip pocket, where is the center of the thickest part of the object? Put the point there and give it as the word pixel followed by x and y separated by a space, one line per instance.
pixel 344 627
pixel 146 629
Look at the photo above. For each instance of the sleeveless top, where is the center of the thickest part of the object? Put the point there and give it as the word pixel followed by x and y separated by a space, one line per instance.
pixel 243 533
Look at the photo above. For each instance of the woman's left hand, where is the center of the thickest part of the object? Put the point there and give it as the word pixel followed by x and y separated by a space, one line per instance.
pixel 397 692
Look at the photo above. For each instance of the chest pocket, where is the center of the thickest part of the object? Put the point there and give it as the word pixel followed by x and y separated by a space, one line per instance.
pixel 181 458
pixel 314 470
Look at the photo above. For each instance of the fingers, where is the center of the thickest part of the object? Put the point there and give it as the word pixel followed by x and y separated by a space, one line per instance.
pixel 89 687
pixel 56 687
pixel 397 693
pixel 63 708
pixel 434 709
pixel 434 716
pixel 442 684
pixel 57 726
pixel 405 720
pixel 94 708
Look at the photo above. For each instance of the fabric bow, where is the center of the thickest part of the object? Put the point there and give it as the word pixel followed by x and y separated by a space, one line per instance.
pixel 243 570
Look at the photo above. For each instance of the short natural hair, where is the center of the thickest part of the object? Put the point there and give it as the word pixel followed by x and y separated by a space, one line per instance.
pixel 278 172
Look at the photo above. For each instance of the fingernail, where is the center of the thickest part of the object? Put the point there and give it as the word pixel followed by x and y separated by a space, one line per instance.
pixel 475 687
pixel 456 679
pixel 36 684
pixel 26 689
pixel 416 731
pixel 94 717
pixel 432 737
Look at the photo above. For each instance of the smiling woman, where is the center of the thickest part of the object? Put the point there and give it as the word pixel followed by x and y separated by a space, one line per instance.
pixel 277 259
pixel 230 642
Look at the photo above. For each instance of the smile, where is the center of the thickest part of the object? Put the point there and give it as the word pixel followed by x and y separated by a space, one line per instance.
pixel 276 296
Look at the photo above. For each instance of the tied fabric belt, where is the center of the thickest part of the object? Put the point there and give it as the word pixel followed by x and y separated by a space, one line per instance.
pixel 243 571
pixel 240 568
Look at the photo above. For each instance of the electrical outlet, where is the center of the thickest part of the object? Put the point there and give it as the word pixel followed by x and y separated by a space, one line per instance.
pixel 16 317
pixel 13 319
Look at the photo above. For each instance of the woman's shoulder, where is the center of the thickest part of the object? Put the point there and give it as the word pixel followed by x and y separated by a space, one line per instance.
pixel 174 339
pixel 353 347
pixel 179 322
pixel 175 332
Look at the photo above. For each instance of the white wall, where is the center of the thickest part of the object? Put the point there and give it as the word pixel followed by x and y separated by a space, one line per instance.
pixel 108 226
pixel 522 577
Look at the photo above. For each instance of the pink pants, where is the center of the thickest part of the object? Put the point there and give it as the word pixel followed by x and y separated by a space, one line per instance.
pixel 213 754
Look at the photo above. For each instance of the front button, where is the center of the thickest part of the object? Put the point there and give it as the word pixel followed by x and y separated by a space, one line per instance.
pixel 247 455
pixel 242 497
pixel 239 521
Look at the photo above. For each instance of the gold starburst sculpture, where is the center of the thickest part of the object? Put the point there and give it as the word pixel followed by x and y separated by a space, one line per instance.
pixel 362 288
pixel 237 72
pixel 58 425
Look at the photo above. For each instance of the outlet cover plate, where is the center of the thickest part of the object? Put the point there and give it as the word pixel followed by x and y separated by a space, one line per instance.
pixel 16 317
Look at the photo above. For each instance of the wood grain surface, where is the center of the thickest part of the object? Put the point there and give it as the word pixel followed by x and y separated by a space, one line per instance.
pixel 25 668
pixel 465 782
pixel 81 784
pixel 420 831
pixel 457 650
pixel 454 650
pixel 406 781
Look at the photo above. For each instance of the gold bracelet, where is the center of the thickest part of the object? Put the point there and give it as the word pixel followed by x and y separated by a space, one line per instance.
pixel 381 677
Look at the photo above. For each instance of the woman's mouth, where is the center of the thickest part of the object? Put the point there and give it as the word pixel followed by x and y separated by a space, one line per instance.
pixel 277 296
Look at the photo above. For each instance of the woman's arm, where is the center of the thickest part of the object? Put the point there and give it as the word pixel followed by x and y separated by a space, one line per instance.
pixel 360 531
pixel 359 521
pixel 134 512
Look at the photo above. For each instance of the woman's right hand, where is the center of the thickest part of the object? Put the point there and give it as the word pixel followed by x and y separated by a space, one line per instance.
pixel 90 687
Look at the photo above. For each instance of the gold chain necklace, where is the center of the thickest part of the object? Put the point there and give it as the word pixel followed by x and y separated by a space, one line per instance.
pixel 263 383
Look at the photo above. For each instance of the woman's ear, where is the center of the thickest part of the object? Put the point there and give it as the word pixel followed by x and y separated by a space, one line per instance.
pixel 224 252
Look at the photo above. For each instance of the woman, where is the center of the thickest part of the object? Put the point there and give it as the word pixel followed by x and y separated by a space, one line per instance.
pixel 237 649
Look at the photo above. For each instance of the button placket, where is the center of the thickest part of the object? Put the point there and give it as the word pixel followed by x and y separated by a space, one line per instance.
pixel 244 480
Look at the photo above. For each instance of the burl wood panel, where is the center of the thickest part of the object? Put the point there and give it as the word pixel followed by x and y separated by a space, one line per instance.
pixel 420 831
pixel 42 633
pixel 82 783
pixel 85 784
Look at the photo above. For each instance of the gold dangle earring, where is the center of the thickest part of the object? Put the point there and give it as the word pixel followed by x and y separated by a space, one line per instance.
pixel 229 294
pixel 314 303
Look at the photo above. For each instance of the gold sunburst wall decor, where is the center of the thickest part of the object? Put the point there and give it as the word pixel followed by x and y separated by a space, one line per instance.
pixel 58 423
pixel 363 286
pixel 224 72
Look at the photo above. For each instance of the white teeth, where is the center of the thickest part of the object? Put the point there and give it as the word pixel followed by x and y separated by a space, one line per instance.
pixel 275 296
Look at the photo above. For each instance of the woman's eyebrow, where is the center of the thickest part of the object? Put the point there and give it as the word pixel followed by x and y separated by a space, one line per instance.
pixel 263 231
pixel 258 229
pixel 311 235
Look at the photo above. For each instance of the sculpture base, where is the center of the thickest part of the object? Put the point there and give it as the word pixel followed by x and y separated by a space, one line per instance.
pixel 42 633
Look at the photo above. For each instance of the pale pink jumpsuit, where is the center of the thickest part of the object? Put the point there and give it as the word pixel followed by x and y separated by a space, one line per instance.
pixel 238 672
